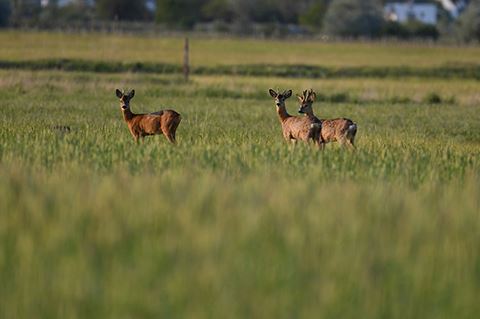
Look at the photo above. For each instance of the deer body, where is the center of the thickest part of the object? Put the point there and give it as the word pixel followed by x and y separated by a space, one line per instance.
pixel 295 128
pixel 340 130
pixel 140 125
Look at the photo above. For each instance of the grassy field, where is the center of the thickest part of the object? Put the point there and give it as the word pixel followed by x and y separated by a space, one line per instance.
pixel 224 51
pixel 232 222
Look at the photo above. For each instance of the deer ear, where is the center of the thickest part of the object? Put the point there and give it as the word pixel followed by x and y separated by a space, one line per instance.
pixel 118 93
pixel 272 93
pixel 132 94
pixel 287 94
pixel 299 97
pixel 313 96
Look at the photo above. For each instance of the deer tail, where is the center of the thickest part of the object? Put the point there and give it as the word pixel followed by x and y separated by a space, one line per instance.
pixel 352 127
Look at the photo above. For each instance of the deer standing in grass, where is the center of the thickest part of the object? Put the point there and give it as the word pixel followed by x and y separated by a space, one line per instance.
pixel 140 125
pixel 340 130
pixel 294 127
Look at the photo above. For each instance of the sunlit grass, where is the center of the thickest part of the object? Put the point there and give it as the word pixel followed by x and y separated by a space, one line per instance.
pixel 159 87
pixel 223 51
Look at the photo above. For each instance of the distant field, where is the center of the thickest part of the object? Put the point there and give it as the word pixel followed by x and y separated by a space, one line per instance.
pixel 232 222
pixel 363 90
pixel 212 52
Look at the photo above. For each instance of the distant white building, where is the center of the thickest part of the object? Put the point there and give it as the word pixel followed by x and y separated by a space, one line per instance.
pixel 454 7
pixel 62 3
pixel 404 12
pixel 151 5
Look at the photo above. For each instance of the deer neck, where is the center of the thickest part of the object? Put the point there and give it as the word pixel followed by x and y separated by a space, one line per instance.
pixel 282 113
pixel 128 115
pixel 309 113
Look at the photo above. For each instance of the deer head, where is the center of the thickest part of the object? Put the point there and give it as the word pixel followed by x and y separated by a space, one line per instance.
pixel 306 100
pixel 125 99
pixel 280 97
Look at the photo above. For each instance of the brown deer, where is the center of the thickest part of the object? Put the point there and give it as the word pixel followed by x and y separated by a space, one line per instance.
pixel 340 130
pixel 294 127
pixel 140 125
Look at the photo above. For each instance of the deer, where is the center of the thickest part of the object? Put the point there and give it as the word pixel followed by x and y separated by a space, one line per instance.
pixel 140 125
pixel 296 128
pixel 340 130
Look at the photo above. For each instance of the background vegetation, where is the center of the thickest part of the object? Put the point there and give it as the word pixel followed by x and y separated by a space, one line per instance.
pixel 261 18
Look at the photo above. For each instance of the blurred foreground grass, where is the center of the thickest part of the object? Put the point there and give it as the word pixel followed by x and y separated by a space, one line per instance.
pixel 77 245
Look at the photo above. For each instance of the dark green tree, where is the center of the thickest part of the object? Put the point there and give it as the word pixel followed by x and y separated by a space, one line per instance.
pixel 283 11
pixel 179 13
pixel 24 11
pixel 5 12
pixel 217 10
pixel 354 18
pixel 469 22
pixel 121 10
pixel 313 13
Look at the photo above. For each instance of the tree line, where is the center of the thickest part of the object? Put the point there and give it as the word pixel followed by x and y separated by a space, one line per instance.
pixel 342 18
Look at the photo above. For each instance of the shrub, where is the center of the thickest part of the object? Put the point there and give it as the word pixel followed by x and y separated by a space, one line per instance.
pixel 341 97
pixel 469 23
pixel 412 29
pixel 395 29
pixel 314 15
pixel 420 30
pixel 400 99
pixel 4 12
pixel 354 18
pixel 432 98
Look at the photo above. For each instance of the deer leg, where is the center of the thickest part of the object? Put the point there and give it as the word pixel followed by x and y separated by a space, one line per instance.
pixel 346 143
pixel 350 145
pixel 134 135
pixel 169 137
pixel 174 128
pixel 321 145
pixel 169 130
pixel 172 134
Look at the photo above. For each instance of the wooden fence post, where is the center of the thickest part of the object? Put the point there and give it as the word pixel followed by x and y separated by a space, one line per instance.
pixel 186 67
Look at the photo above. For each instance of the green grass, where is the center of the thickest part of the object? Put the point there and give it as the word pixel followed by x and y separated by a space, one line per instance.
pixel 77 245
pixel 214 51
pixel 464 71
pixel 233 222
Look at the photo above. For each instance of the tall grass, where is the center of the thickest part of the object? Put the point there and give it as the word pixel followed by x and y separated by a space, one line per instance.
pixel 233 222
pixel 413 90
pixel 201 245
pixel 223 132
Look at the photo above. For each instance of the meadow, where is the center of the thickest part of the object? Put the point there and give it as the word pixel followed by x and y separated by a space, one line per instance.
pixel 233 222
